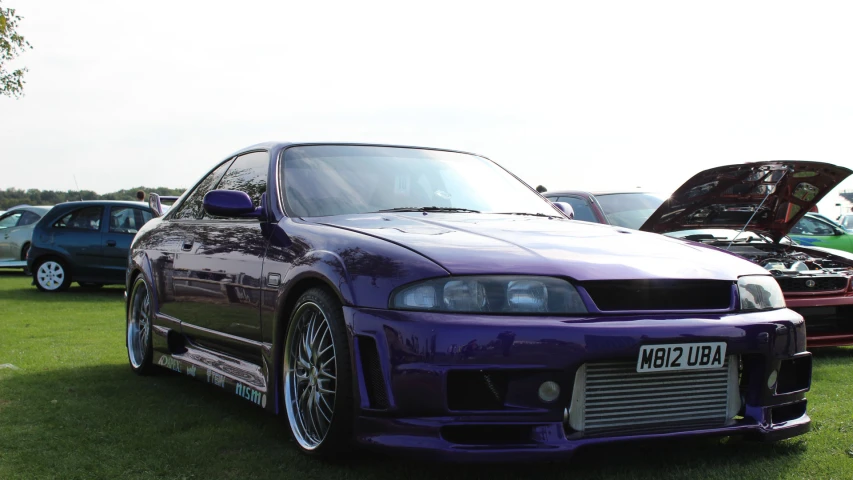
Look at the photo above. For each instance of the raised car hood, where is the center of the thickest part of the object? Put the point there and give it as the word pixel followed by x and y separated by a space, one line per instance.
pixel 726 197
pixel 500 244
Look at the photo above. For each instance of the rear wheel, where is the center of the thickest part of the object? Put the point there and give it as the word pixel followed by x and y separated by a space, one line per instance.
pixel 139 348
pixel 51 275
pixel 24 252
pixel 318 375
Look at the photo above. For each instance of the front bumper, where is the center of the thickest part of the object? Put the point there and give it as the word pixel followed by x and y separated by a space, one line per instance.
pixel 413 371
pixel 829 318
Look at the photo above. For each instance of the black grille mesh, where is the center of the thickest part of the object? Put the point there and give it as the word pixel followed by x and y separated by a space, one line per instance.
pixel 640 295
pixel 813 284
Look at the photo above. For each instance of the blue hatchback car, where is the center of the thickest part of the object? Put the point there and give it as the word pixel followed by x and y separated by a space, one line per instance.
pixel 86 242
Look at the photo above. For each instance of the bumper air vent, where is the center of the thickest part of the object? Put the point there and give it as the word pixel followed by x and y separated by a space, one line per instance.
pixel 476 390
pixel 377 393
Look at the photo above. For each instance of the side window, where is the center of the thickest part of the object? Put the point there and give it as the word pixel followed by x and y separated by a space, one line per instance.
pixel 193 208
pixel 10 219
pixel 248 174
pixel 28 218
pixel 88 218
pixel 128 219
pixel 810 226
pixel 583 211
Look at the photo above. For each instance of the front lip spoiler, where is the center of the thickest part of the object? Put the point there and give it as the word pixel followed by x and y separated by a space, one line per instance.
pixel 430 444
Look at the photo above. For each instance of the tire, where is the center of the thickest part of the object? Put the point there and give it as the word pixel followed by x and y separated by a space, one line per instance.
pixel 138 329
pixel 52 275
pixel 90 284
pixel 317 376
pixel 24 252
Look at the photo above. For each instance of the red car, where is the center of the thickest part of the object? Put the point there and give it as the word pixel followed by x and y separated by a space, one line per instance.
pixel 748 209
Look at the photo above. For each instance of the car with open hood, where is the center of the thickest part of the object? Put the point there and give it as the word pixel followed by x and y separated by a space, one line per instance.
pixel 427 301
pixel 748 210
pixel 760 211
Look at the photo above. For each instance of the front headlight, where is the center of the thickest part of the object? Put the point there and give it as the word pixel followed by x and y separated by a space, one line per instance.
pixel 760 292
pixel 491 294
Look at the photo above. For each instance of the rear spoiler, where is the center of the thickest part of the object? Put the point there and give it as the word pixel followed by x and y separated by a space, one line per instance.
pixel 156 203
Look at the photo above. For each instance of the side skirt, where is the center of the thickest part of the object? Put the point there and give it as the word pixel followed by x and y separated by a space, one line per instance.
pixel 244 379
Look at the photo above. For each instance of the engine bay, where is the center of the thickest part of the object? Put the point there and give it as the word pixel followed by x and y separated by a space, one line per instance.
pixel 785 260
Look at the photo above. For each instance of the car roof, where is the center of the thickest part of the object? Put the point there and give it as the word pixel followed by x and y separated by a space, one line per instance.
pixel 31 208
pixel 276 145
pixel 596 193
pixel 84 203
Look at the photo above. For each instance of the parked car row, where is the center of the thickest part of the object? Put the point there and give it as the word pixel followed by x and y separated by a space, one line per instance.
pixel 427 301
pixel 86 242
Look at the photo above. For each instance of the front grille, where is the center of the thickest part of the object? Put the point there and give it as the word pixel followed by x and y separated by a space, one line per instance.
pixel 639 295
pixel 812 284
pixel 613 399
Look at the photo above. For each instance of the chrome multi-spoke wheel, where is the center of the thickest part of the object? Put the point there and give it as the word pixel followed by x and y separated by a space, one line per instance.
pixel 316 369
pixel 139 327
pixel 51 276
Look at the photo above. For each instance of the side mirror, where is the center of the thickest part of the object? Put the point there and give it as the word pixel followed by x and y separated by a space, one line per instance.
pixel 566 208
pixel 230 203
pixel 154 203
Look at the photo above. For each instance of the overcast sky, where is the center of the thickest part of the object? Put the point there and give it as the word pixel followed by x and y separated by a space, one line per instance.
pixel 583 94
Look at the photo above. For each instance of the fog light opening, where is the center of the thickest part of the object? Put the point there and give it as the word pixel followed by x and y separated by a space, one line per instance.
pixel 771 379
pixel 549 391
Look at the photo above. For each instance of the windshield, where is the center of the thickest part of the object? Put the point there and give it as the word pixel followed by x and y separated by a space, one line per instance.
pixel 321 180
pixel 629 210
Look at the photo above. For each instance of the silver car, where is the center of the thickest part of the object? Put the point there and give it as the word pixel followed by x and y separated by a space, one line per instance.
pixel 16 230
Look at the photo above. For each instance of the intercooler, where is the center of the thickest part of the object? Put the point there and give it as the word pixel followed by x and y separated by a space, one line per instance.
pixel 613 399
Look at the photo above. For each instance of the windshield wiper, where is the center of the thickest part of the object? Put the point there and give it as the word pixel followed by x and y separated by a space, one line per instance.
pixel 428 209
pixel 528 214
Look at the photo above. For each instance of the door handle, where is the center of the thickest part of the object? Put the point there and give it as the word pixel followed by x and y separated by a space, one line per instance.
pixel 187 245
pixel 111 243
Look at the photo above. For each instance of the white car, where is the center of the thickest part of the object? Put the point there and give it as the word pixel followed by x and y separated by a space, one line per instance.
pixel 16 231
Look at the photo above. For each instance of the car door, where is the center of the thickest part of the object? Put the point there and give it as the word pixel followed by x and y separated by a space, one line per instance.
pixel 223 268
pixel 77 235
pixel 814 232
pixel 7 224
pixel 124 222
pixel 175 288
pixel 21 234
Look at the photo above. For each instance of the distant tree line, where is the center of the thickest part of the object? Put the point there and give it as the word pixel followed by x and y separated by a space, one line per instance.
pixel 13 196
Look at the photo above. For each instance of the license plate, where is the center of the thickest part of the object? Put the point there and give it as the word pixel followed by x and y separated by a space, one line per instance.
pixel 681 356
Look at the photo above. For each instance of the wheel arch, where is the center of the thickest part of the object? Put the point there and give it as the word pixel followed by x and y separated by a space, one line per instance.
pixel 286 303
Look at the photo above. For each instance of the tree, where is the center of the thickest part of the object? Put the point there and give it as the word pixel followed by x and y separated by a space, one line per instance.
pixel 11 45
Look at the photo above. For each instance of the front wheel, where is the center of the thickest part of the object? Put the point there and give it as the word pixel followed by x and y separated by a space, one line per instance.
pixel 139 348
pixel 318 376
pixel 52 275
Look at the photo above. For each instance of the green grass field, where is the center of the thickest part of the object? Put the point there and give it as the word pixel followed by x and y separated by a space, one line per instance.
pixel 75 410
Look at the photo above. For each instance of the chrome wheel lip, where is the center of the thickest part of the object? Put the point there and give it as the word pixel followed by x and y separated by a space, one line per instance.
pixel 138 324
pixel 50 275
pixel 310 376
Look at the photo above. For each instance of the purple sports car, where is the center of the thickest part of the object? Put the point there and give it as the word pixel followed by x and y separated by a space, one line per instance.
pixel 428 301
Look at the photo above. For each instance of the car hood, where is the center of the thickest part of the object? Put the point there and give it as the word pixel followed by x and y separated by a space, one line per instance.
pixel 778 193
pixel 465 244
